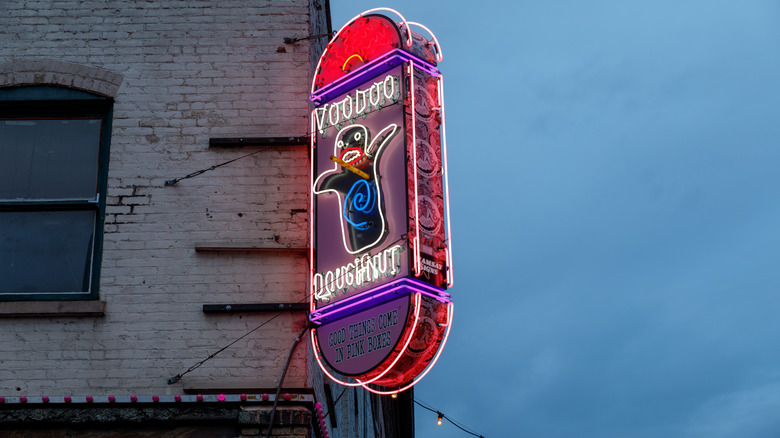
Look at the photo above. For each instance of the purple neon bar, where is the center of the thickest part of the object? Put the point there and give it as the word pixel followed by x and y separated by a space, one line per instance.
pixel 383 64
pixel 373 297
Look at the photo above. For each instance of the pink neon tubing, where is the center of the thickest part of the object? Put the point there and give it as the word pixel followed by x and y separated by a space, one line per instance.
pixel 324 52
pixel 313 136
pixel 416 267
pixel 439 54
pixel 450 311
pixel 406 24
pixel 450 275
pixel 418 302
pixel 417 307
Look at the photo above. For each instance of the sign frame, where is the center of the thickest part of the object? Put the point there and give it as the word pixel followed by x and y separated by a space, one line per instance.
pixel 347 311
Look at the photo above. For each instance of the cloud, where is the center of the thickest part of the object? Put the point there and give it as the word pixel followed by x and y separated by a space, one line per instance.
pixel 615 209
pixel 750 411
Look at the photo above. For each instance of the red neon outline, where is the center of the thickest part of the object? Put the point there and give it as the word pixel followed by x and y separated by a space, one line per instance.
pixel 416 257
pixel 317 355
pixel 417 307
pixel 448 246
pixel 324 52
pixel 450 311
pixel 355 148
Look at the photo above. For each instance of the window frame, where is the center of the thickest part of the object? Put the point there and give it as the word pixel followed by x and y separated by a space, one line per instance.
pixel 53 102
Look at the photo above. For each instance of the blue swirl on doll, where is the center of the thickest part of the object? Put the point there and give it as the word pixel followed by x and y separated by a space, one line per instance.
pixel 360 205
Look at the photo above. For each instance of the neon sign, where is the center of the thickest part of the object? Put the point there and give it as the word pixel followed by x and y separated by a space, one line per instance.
pixel 365 269
pixel 374 98
pixel 360 199
pixel 381 245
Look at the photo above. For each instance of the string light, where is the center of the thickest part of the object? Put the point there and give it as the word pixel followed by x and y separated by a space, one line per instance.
pixel 440 417
pixel 439 420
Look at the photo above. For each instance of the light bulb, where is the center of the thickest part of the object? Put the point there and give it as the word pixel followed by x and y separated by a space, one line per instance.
pixel 394 395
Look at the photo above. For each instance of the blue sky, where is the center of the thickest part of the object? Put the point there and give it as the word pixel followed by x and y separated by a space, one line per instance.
pixel 616 211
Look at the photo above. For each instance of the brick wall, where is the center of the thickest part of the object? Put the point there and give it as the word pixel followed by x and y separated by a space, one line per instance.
pixel 180 72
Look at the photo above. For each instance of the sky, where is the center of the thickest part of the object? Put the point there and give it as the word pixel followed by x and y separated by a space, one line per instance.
pixel 615 199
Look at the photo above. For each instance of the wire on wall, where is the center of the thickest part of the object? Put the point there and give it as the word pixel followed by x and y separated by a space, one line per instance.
pixel 337 400
pixel 281 379
pixel 171 182
pixel 289 40
pixel 178 377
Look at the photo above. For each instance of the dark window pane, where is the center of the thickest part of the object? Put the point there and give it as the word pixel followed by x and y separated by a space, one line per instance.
pixel 46 251
pixel 49 159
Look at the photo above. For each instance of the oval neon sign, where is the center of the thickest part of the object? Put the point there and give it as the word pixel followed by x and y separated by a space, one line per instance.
pixel 381 247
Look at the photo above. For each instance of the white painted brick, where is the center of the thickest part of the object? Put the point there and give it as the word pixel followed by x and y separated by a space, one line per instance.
pixel 180 73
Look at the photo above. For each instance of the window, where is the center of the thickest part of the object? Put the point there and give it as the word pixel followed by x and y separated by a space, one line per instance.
pixel 53 171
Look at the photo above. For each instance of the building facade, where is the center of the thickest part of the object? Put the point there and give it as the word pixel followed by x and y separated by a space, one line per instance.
pixel 154 223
